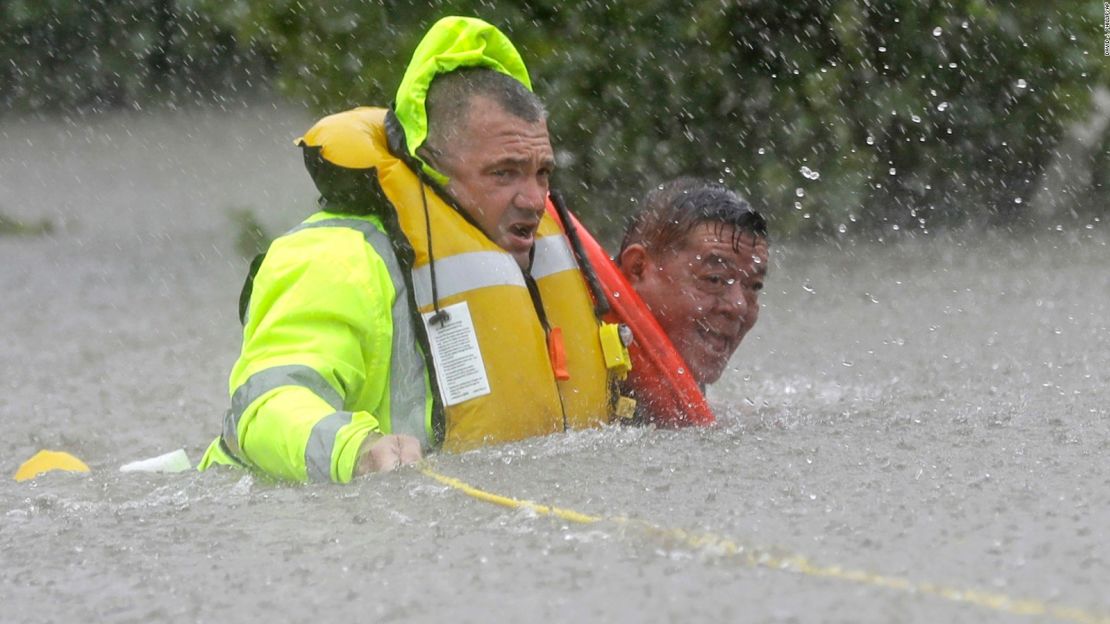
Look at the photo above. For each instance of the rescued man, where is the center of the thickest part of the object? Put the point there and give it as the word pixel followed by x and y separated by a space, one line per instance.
pixel 431 302
pixel 697 255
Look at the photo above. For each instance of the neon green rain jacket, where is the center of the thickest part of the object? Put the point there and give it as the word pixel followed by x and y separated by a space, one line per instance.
pixel 313 379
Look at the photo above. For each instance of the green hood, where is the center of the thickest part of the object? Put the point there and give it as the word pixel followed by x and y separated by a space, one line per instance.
pixel 451 43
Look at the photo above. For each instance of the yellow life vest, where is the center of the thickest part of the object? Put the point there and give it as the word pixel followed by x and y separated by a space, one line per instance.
pixel 517 394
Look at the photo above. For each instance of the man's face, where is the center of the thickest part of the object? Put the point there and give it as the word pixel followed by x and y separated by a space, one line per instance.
pixel 704 292
pixel 498 167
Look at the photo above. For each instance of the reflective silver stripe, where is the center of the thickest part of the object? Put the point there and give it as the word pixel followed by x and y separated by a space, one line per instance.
pixel 553 255
pixel 368 229
pixel 321 445
pixel 407 395
pixel 464 272
pixel 263 382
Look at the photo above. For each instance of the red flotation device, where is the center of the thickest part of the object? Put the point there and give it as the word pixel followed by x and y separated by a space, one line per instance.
pixel 660 379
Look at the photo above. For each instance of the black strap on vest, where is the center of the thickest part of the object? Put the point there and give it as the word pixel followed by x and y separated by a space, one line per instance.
pixel 441 316
pixel 601 304
pixel 248 287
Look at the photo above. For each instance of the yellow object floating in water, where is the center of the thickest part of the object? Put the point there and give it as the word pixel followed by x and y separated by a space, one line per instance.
pixel 47 461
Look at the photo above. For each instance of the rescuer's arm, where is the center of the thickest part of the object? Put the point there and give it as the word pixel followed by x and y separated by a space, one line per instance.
pixel 316 352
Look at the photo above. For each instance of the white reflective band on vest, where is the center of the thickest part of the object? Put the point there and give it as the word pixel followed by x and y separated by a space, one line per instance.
pixel 553 255
pixel 465 272
pixel 481 269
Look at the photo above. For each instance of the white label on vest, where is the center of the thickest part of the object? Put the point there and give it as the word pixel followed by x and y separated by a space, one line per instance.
pixel 458 360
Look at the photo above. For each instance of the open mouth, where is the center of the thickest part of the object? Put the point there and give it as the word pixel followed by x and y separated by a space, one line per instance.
pixel 523 232
pixel 716 341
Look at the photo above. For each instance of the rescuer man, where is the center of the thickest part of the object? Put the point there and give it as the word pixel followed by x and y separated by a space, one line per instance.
pixel 431 302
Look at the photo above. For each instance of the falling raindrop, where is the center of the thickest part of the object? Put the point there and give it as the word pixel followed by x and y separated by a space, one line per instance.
pixel 809 174
pixel 1021 84
pixel 892 171
pixel 937 31
pixel 800 192
pixel 870 140
pixel 943 106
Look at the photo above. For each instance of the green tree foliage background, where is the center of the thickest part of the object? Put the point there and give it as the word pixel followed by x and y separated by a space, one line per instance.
pixel 832 115
pixel 95 55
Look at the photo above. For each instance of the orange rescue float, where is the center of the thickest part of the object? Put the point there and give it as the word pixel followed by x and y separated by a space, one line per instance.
pixel 660 378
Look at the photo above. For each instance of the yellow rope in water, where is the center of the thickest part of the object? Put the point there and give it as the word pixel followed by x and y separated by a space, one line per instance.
pixel 764 558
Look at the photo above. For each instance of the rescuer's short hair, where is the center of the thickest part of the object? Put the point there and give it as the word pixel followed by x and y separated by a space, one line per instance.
pixel 449 98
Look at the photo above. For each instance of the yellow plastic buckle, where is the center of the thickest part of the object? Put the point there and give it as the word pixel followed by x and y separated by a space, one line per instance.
pixel 614 350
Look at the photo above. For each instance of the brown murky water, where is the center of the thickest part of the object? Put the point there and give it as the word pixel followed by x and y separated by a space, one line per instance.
pixel 931 411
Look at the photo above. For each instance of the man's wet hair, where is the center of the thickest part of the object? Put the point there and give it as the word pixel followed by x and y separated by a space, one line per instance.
pixel 448 100
pixel 672 210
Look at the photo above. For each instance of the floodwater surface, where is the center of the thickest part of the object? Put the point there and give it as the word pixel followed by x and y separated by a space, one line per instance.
pixel 915 431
